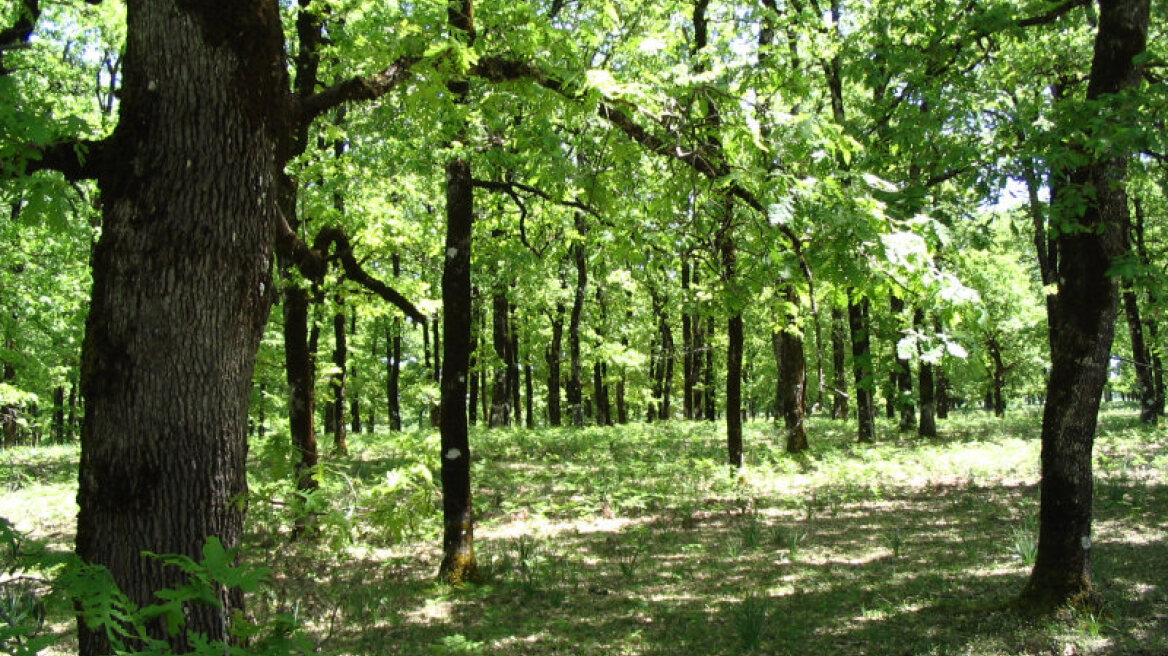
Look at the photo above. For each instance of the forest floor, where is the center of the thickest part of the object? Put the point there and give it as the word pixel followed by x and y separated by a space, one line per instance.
pixel 637 540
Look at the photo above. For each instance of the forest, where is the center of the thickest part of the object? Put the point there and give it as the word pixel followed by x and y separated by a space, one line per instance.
pixel 583 327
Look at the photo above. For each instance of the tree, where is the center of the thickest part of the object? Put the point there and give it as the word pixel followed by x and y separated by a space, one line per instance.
pixel 1091 213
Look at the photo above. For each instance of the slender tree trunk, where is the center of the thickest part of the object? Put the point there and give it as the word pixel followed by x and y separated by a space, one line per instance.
pixel 575 387
pixel 1151 327
pixel 300 370
pixel 1082 322
pixel 904 383
pixel 513 367
pixel 709 399
pixel 928 424
pixel 58 431
pixel 996 397
pixel 862 367
pixel 667 348
pixel 1141 358
pixel 72 420
pixel 181 294
pixel 354 398
pixel 529 389
pixel 839 328
pixel 688 345
pixel 337 383
pixel 436 372
pixel 458 558
pixel 501 338
pixel 553 361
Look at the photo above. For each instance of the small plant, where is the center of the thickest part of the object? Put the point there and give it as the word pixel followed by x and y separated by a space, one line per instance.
pixel 790 539
pixel 750 620
pixel 895 542
pixel 1024 541
pixel 751 532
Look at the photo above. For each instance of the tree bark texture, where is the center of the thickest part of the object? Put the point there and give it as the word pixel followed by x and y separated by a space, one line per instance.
pixel 182 289
pixel 1082 325
pixel 903 368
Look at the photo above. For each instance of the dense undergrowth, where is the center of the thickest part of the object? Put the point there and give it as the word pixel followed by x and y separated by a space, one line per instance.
pixel 638 540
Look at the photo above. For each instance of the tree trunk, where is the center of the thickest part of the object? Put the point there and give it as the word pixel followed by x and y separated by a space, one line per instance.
pixel 839 328
pixel 458 558
pixel 355 401
pixel 529 390
pixel 688 346
pixel 181 294
pixel 709 399
pixel 575 387
pixel 1082 321
pixel 501 339
pixel 553 361
pixel 859 324
pixel 928 424
pixel 337 383
pixel 59 414
pixel 436 373
pixel 903 368
pixel 996 398
pixel 300 371
pixel 1141 359
pixel 513 367
pixel 1151 327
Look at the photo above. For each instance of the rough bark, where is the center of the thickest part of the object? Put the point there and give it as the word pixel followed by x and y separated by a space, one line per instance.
pixel 181 293
pixel 1082 324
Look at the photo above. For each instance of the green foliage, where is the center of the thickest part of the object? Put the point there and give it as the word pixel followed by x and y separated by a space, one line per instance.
pixel 55 583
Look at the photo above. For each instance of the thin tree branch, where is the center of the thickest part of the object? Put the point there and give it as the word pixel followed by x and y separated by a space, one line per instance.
pixel 512 186
pixel 357 89
pixel 354 272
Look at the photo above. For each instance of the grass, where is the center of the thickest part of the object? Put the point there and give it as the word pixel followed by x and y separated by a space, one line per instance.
pixel 637 540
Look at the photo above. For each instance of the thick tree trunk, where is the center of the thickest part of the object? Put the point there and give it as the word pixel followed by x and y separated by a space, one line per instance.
pixel 181 294
pixel 552 356
pixel 1082 325
pixel 859 324
pixel 839 329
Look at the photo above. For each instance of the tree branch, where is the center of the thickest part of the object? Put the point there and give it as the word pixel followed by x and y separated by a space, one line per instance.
pixel 511 187
pixel 77 159
pixel 354 272
pixel 1053 13
pixel 357 89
